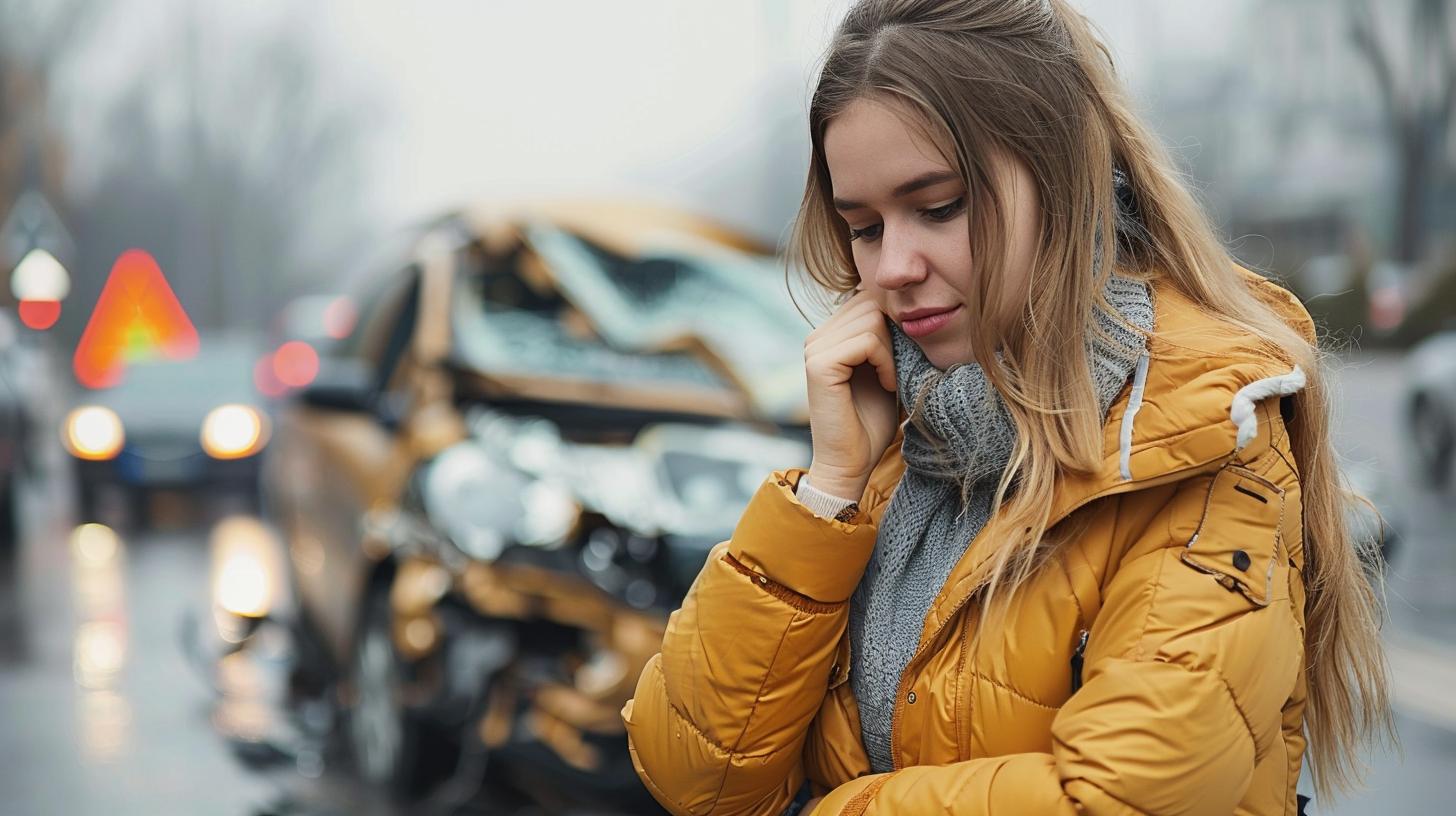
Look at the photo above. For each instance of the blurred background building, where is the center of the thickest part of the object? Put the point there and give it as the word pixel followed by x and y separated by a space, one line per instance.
pixel 270 160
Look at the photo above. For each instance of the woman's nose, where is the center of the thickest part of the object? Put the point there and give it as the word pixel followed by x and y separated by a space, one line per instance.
pixel 901 262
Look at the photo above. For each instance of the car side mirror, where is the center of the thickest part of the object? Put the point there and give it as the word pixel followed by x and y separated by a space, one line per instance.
pixel 342 384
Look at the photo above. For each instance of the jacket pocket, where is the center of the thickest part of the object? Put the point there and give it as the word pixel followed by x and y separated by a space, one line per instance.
pixel 1237 540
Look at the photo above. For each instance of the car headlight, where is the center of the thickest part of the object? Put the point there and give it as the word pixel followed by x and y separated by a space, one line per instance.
pixel 234 432
pixel 707 475
pixel 552 513
pixel 95 433
pixel 483 504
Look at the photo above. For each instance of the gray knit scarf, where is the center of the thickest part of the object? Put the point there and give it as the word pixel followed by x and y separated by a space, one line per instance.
pixel 926 529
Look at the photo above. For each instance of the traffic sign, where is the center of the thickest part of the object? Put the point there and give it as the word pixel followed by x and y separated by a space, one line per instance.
pixel 33 224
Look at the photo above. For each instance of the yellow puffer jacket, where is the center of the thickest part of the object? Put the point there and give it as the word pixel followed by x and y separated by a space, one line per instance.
pixel 1155 665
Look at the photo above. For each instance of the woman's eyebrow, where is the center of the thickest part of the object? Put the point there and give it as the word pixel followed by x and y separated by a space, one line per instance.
pixel 920 182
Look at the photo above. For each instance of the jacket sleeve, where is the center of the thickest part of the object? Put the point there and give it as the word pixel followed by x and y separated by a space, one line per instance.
pixel 1193 654
pixel 719 717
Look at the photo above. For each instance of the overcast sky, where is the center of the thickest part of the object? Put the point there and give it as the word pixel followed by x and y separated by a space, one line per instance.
pixel 479 100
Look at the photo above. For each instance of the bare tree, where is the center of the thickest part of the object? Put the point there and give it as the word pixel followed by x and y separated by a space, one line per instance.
pixel 252 196
pixel 36 37
pixel 1414 68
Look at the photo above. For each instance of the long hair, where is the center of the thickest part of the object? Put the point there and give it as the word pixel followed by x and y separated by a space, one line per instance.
pixel 1030 79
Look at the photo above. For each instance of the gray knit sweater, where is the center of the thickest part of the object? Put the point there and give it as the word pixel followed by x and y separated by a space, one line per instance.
pixel 926 527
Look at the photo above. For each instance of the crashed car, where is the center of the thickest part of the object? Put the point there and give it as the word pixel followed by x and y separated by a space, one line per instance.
pixel 504 479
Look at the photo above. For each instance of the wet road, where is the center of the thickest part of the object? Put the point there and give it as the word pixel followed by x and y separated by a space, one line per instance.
pixel 104 713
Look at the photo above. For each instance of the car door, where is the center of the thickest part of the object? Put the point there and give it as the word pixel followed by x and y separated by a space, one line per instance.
pixel 331 468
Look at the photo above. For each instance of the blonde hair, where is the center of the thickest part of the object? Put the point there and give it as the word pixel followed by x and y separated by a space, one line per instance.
pixel 1030 79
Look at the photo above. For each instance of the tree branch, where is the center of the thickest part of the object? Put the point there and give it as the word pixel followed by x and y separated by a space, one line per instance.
pixel 1367 44
pixel 1447 105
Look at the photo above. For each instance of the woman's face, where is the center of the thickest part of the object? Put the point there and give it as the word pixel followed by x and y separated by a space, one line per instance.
pixel 906 210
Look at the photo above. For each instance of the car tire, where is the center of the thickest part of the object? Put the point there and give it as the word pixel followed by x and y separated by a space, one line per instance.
pixel 385 738
pixel 1434 442
pixel 9 521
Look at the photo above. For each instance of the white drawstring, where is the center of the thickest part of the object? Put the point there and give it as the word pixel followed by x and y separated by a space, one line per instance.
pixel 1242 410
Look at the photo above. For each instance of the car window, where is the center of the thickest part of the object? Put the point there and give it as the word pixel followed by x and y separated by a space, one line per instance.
pixel 639 310
pixel 397 338
pixel 389 302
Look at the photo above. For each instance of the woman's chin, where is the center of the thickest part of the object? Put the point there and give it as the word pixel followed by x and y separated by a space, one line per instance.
pixel 943 355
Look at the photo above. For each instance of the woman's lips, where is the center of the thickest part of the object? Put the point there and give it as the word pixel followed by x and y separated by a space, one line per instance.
pixel 923 326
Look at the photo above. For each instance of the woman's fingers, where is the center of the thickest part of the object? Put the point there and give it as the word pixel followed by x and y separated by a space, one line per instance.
pixel 879 355
pixel 855 306
pixel 836 362
pixel 846 324
pixel 851 382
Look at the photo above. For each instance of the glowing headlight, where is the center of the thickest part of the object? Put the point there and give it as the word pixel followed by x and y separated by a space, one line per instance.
pixel 94 433
pixel 233 432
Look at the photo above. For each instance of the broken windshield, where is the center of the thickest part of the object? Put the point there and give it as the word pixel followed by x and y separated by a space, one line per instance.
pixel 736 305
pixel 504 326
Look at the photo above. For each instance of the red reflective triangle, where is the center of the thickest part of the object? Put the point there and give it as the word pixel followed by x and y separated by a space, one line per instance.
pixel 136 315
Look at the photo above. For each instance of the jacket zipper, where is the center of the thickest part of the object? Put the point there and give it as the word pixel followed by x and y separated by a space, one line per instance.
pixel 902 694
pixel 1077 660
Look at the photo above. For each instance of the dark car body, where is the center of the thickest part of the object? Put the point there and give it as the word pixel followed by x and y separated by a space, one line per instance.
pixel 16 422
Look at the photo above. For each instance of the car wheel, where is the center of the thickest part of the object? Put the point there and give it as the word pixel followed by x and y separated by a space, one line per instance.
pixel 1435 440
pixel 384 736
pixel 9 521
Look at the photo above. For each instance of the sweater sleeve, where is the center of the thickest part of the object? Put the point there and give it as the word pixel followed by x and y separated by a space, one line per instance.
pixel 824 505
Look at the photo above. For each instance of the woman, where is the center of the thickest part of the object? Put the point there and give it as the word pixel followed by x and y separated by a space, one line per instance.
pixel 1071 539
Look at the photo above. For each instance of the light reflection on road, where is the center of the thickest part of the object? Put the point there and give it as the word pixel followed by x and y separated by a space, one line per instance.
pixel 99 646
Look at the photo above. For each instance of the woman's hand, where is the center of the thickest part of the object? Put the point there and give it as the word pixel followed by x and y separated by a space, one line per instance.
pixel 853 412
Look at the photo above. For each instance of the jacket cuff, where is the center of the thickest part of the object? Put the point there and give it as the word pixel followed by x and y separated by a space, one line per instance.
pixel 780 538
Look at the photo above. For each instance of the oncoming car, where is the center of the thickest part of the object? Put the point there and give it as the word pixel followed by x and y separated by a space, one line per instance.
pixel 193 426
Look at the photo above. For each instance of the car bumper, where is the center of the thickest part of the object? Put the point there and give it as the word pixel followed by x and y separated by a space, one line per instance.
pixel 194 471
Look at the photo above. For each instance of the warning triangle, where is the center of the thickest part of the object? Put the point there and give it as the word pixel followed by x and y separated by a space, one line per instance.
pixel 136 316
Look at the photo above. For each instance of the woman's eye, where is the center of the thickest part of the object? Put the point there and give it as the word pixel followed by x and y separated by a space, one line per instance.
pixel 869 233
pixel 946 212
